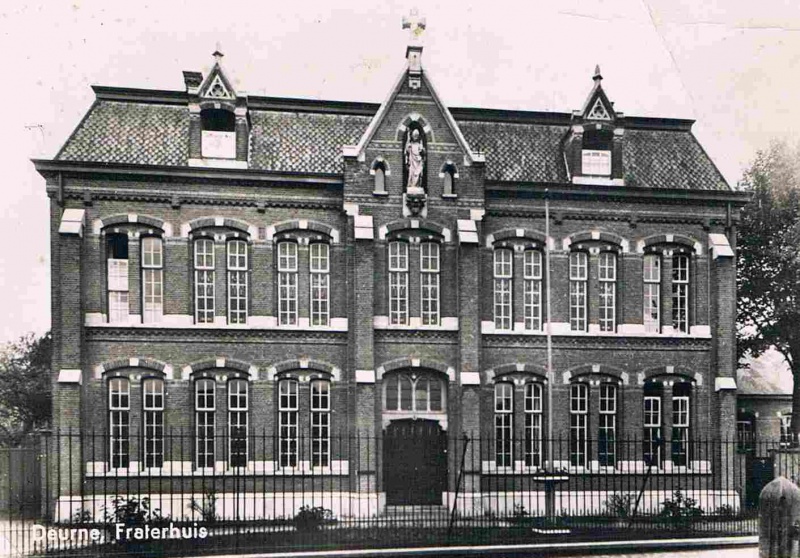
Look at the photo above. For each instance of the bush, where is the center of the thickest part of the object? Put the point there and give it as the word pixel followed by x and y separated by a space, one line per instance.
pixel 133 512
pixel 207 508
pixel 680 511
pixel 310 519
pixel 619 505
pixel 725 511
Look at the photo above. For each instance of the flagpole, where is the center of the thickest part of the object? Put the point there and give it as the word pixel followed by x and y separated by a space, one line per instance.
pixel 550 378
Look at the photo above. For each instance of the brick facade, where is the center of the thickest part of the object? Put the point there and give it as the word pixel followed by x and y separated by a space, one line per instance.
pixel 289 194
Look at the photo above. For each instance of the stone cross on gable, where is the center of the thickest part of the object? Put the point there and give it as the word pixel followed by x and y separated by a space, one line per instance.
pixel 415 25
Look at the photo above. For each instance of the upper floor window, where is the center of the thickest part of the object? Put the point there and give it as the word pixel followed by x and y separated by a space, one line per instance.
pixel 118 288
pixel 204 276
pixel 578 279
pixel 219 134
pixel 379 177
pixel 152 279
pixel 429 282
pixel 607 275
pixel 680 293
pixel 319 267
pixel 532 276
pixel 595 162
pixel 287 283
pixel 119 408
pixel 153 421
pixel 449 179
pixel 398 282
pixel 652 293
pixel 237 282
pixel 503 282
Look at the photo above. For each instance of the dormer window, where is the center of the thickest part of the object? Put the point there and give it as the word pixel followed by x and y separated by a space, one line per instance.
pixel 219 134
pixel 596 153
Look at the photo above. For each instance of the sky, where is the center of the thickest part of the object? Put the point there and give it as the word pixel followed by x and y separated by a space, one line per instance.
pixel 731 65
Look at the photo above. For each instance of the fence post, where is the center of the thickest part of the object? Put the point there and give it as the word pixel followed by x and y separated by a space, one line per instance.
pixel 779 516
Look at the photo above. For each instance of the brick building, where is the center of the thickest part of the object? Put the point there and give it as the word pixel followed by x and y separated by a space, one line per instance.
pixel 269 277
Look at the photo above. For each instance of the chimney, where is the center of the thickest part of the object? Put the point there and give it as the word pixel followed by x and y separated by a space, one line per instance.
pixel 192 80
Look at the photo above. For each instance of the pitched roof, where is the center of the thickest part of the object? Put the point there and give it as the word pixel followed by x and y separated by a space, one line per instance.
pixel 297 140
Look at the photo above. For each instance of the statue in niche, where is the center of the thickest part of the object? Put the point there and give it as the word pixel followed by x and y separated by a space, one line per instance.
pixel 415 162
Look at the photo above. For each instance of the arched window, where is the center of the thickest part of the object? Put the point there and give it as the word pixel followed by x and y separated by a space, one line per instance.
pixel 607 425
pixel 319 268
pixel 204 277
pixel 288 407
pixel 680 293
pixel 320 423
pixel 153 421
pixel 503 282
pixel 398 283
pixel 504 424
pixel 152 279
pixel 653 417
pixel 652 293
pixel 449 179
pixel 429 282
pixel 117 262
pixel 237 282
pixel 205 410
pixel 578 282
pixel 681 423
pixel 379 176
pixel 119 408
pixel 419 393
pixel 534 405
pixel 287 283
pixel 238 406
pixel 578 424
pixel 219 134
pixel 532 276
pixel 607 275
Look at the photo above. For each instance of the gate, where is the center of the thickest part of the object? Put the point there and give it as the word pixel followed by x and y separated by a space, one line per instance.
pixel 414 462
pixel 761 471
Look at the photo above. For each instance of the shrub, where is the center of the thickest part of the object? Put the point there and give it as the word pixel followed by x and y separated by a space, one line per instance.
pixel 680 511
pixel 725 511
pixel 81 516
pixel 207 508
pixel 310 519
pixel 133 512
pixel 618 505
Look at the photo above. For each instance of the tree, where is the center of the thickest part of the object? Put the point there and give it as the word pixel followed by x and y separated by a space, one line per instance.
pixel 768 275
pixel 25 390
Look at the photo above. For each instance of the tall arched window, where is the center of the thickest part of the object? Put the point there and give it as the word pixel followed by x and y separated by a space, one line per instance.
pixel 238 407
pixel 652 293
pixel 205 410
pixel 152 279
pixel 398 283
pixel 532 275
pixel 319 268
pixel 578 424
pixel 503 281
pixel 153 421
pixel 379 177
pixel 119 409
pixel 287 283
pixel 204 276
pixel 503 424
pixel 429 282
pixel 117 262
pixel 607 275
pixel 681 423
pixel 237 282
pixel 653 418
pixel 680 293
pixel 420 393
pixel 607 425
pixel 288 407
pixel 534 405
pixel 578 282
pixel 448 175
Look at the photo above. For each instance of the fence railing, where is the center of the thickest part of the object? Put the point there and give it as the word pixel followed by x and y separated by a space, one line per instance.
pixel 86 492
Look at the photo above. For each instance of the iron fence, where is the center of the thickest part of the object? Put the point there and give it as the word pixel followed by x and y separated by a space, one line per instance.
pixel 173 493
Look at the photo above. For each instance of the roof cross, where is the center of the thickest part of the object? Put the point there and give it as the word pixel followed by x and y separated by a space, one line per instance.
pixel 415 24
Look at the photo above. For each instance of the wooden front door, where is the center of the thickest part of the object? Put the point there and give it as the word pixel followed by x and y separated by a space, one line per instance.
pixel 414 462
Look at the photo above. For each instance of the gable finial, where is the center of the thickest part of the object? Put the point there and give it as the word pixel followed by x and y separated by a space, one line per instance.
pixel 218 54
pixel 597 75
pixel 415 24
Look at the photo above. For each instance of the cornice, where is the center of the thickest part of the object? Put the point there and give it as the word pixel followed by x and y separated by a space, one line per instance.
pixel 495 341
pixel 620 216
pixel 146 335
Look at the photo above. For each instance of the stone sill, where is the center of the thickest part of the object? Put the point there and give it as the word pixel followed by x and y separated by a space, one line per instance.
pixel 623 330
pixel 181 321
pixel 622 468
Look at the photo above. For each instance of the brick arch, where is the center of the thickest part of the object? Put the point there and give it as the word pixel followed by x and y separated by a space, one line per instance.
pixel 596 369
pixel 430 364
pixel 512 234
pixel 382 162
pixel 303 225
pixel 218 221
pixel 681 239
pixel 415 224
pixel 597 235
pixel 133 362
pixel 311 366
pixel 515 368
pixel 419 119
pixel 131 219
pixel 218 364
pixel 682 372
pixel 448 164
